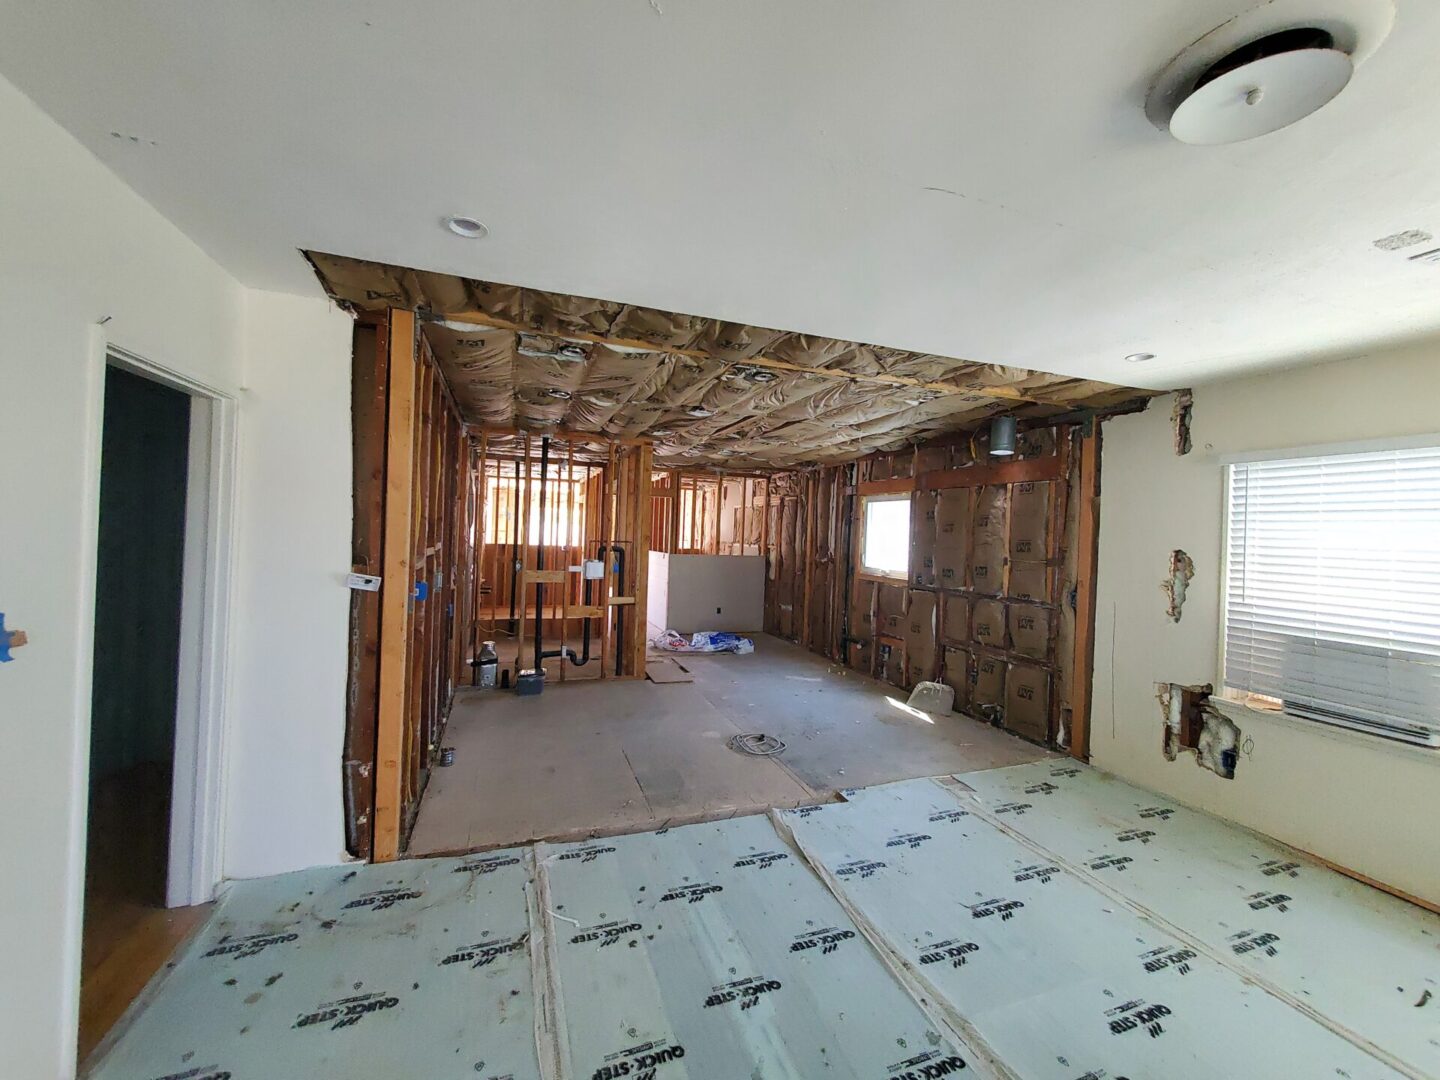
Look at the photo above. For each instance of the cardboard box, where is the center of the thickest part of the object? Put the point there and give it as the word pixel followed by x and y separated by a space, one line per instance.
pixel 920 637
pixel 956 675
pixel 955 621
pixel 988 686
pixel 1027 702
pixel 952 536
pixel 1029 521
pixel 1029 581
pixel 890 609
pixel 1029 630
pixel 862 611
pixel 989 623
pixel 922 538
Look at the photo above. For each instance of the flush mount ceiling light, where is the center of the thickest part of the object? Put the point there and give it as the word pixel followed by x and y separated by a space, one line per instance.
pixel 1262 87
pixel 468 227
pixel 1140 357
pixel 1265 69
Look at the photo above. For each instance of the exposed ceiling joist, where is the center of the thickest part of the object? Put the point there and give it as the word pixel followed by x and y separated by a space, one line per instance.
pixel 999 392
pixel 705 391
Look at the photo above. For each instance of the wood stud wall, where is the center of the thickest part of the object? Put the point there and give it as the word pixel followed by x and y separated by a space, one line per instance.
pixel 423 494
pixel 1001 628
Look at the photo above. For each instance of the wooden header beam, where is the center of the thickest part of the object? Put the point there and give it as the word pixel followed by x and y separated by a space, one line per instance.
pixel 1023 471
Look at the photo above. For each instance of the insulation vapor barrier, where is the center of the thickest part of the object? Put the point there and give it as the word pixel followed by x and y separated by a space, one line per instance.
pixel 708 392
pixel 1044 921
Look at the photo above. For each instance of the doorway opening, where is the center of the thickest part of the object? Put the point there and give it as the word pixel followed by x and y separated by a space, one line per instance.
pixel 155 605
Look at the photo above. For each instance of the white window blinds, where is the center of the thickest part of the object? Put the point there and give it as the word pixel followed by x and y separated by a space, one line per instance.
pixel 1333 589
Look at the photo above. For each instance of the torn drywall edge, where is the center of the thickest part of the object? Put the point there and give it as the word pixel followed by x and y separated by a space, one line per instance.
pixel 1180 416
pixel 1182 570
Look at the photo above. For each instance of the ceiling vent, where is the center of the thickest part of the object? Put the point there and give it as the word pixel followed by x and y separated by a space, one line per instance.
pixel 1265 69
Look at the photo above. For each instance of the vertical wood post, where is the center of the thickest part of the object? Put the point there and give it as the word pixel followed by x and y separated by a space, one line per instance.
pixel 397 581
pixel 1087 528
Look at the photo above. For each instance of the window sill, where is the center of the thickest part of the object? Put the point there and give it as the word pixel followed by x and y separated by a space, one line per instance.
pixel 1243 714
pixel 884 578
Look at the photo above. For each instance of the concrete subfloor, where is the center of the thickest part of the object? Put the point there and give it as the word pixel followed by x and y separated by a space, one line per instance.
pixel 595 759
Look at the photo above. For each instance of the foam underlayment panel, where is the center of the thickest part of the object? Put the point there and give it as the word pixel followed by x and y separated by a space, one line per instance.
pixel 1039 921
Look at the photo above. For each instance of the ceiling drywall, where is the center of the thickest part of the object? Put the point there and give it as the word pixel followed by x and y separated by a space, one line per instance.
pixel 968 178
pixel 706 391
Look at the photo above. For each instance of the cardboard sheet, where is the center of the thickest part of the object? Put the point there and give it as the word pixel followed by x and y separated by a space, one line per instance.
pixel 1039 968
pixel 404 969
pixel 1362 958
pixel 713 951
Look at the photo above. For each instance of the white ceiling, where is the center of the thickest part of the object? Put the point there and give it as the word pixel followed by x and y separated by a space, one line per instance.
pixel 966 177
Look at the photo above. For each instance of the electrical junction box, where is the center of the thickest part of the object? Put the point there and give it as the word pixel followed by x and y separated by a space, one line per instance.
pixel 594 569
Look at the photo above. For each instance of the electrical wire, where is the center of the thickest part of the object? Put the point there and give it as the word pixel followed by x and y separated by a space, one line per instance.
pixel 756 743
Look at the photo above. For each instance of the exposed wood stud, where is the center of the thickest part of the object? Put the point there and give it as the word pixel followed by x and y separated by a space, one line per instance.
pixel 395 587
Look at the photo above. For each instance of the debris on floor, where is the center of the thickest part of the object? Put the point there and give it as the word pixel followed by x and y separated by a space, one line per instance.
pixel 703 641
pixel 665 670
pixel 757 743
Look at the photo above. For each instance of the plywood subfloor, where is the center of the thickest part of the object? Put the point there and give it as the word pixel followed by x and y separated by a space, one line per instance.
pixel 925 928
pixel 596 758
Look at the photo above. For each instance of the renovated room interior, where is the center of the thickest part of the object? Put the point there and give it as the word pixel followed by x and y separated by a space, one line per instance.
pixel 684 540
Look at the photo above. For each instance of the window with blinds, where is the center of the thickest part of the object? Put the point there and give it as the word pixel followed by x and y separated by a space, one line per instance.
pixel 1332 592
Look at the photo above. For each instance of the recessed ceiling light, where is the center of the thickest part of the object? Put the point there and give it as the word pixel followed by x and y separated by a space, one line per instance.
pixel 698 411
pixel 1140 357
pixel 558 394
pixel 468 227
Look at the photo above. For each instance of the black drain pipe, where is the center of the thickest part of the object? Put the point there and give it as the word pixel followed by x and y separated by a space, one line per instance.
pixel 514 544
pixel 541 654
pixel 540 556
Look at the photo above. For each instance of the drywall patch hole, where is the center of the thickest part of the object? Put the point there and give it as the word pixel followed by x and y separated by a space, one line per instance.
pixel 1181 415
pixel 1182 570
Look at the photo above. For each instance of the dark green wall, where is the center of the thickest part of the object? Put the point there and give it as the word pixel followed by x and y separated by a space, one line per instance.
pixel 143 467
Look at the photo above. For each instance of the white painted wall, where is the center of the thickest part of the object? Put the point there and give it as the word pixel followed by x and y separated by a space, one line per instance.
pixel 698 584
pixel 80 247
pixel 1362 802
pixel 292 607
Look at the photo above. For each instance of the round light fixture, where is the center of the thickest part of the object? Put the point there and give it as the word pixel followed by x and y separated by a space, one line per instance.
pixel 468 227
pixel 1262 87
pixel 1140 357
pixel 558 394
pixel 698 411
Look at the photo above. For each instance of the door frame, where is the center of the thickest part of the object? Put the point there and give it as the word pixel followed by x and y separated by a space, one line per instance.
pixel 197 783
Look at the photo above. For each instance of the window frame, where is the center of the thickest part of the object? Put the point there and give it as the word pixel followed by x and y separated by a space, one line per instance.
pixel 870 573
pixel 1260 704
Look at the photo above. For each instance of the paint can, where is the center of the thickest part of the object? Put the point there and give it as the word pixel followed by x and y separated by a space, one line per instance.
pixel 489 662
